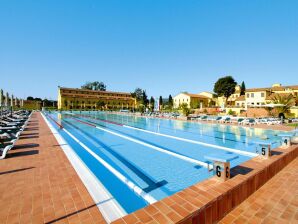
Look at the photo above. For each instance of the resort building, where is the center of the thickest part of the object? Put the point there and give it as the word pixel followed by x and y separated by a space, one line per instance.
pixel 74 98
pixel 257 97
pixel 221 101
pixel 194 101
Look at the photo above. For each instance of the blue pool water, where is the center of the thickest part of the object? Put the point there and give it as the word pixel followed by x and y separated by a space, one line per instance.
pixel 159 156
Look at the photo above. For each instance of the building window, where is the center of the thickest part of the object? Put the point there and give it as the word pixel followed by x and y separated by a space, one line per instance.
pixel 252 95
pixel 247 95
pixel 262 94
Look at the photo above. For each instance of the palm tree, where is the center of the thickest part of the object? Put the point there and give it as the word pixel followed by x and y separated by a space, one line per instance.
pixel 286 101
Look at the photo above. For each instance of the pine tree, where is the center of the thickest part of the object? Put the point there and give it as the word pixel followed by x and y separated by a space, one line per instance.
pixel 160 102
pixel 243 88
pixel 170 101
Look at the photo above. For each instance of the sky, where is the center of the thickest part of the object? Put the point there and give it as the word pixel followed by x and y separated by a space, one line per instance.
pixel 163 46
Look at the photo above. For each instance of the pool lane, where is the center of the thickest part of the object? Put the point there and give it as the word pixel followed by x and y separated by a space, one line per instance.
pixel 117 188
pixel 167 174
pixel 185 137
pixel 243 138
pixel 187 149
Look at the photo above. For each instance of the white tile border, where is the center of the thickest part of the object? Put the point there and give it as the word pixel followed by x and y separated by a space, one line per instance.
pixel 107 205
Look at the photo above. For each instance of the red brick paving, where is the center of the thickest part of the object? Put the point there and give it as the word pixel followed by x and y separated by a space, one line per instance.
pixel 275 202
pixel 39 185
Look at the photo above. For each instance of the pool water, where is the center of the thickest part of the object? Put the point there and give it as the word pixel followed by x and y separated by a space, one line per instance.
pixel 157 157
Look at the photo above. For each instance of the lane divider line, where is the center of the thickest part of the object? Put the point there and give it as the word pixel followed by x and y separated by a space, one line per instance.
pixel 147 197
pixel 251 154
pixel 237 151
pixel 185 158
pixel 106 203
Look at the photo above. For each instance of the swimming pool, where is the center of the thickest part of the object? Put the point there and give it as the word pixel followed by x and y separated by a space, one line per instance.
pixel 142 160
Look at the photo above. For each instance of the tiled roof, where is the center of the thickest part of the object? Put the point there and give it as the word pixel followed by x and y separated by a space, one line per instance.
pixel 196 95
pixel 257 89
pixel 241 98
pixel 275 88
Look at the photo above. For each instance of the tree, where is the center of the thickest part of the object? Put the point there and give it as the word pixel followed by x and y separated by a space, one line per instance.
pixel 194 104
pixel 185 109
pixel 243 88
pixel 225 86
pixel 160 102
pixel 285 102
pixel 94 86
pixel 138 94
pixel 38 99
pixel 145 100
pixel 101 104
pixel 170 101
pixel 30 98
pixel 152 102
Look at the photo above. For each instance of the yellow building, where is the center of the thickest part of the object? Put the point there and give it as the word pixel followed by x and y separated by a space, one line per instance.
pixel 192 100
pixel 80 99
pixel 261 96
pixel 222 102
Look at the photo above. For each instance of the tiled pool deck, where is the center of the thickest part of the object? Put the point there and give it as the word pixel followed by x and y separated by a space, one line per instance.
pixel 39 185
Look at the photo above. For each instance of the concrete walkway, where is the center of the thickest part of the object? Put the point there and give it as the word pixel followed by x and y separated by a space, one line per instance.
pixel 39 185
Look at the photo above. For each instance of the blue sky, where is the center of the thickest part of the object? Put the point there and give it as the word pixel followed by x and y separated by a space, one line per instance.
pixel 163 46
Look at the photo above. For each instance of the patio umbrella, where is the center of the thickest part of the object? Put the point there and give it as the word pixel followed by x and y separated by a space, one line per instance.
pixel 272 105
pixel 22 103
pixel 6 99
pixel 1 97
pixel 16 101
pixel 11 100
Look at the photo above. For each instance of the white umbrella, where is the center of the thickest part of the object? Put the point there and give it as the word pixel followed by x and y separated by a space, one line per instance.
pixel 273 105
pixel 11 100
pixel 1 97
pixel 6 99
pixel 16 101
pixel 22 103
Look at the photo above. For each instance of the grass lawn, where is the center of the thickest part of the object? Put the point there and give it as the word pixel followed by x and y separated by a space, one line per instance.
pixel 293 124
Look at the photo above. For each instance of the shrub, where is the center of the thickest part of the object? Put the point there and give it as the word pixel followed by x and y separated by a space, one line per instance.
pixel 185 109
pixel 230 112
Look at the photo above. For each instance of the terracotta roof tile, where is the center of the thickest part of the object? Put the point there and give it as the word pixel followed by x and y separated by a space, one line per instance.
pixel 195 95
pixel 241 98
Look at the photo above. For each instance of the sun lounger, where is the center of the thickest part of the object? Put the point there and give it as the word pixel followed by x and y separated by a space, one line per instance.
pixel 203 118
pixel 218 119
pixel 5 150
pixel 226 120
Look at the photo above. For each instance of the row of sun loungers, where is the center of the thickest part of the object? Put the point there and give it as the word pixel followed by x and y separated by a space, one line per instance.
pixel 11 127
pixel 237 120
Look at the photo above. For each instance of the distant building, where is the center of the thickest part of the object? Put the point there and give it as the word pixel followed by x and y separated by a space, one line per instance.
pixel 253 98
pixel 221 101
pixel 193 100
pixel 80 99
pixel 261 96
